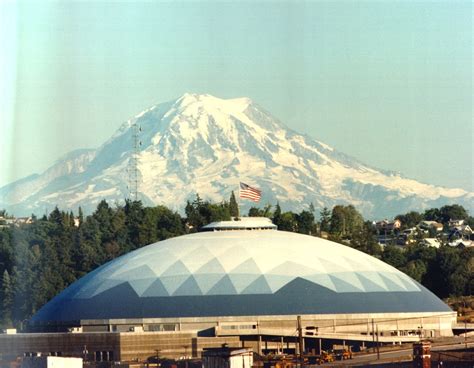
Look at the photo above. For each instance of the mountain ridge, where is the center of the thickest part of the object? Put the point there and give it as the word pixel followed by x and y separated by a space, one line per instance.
pixel 202 144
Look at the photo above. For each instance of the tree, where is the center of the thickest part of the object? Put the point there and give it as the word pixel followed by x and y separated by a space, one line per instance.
pixel 432 214
pixel 80 216
pixel 325 215
pixel 134 217
pixel 453 212
pixel 6 294
pixel 345 220
pixel 364 240
pixel 447 273
pixel 410 219
pixel 305 222
pixel 394 256
pixel 277 216
pixel 259 212
pixel 200 213
pixel 233 205
pixel 288 222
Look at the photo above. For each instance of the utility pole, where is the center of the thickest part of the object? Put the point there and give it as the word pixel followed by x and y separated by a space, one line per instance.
pixel 465 324
pixel 373 334
pixel 300 339
pixel 378 348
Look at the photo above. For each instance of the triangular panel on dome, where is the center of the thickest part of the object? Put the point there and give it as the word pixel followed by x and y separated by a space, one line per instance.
pixel 331 267
pixel 276 282
pixel 156 289
pixel 357 263
pixel 293 269
pixel 212 266
pixel 177 268
pixel 351 278
pixel 375 278
pixel 141 272
pixel 188 287
pixel 247 267
pixel 343 286
pixel 194 259
pixel 322 279
pixel 233 257
pixel 409 283
pixel 141 285
pixel 223 287
pixel 158 261
pixel 172 283
pixel 259 286
pixel 88 289
pixel 242 280
pixel 180 248
pixel 206 281
pixel 106 285
pixel 393 283
pixel 368 284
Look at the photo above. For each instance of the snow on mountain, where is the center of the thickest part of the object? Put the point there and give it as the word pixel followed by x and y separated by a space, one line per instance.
pixel 206 145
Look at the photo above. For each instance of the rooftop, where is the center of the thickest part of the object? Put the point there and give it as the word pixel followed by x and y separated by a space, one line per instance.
pixel 241 223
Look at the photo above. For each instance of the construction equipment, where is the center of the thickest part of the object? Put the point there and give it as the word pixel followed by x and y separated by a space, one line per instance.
pixel 327 357
pixel 343 353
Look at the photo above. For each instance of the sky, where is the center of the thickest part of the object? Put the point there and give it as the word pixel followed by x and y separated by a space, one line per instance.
pixel 388 82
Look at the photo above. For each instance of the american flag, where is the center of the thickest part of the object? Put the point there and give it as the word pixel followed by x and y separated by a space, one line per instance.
pixel 247 192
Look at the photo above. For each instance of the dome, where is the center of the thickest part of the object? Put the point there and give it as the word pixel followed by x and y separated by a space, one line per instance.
pixel 240 272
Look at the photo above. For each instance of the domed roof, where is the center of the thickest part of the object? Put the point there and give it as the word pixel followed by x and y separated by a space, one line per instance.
pixel 244 272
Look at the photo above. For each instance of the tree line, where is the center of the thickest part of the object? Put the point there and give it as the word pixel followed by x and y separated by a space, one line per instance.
pixel 40 259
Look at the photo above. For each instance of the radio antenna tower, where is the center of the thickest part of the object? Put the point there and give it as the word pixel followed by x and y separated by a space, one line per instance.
pixel 133 162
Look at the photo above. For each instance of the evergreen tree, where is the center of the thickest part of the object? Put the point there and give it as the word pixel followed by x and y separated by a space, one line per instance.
pixel 277 216
pixel 80 216
pixel 305 222
pixel 233 205
pixel 259 212
pixel 325 215
pixel 6 297
pixel 288 222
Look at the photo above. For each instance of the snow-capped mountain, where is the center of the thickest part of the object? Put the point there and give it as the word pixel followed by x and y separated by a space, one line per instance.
pixel 206 145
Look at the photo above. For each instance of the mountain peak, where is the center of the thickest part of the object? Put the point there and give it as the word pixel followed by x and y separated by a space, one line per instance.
pixel 208 101
pixel 203 144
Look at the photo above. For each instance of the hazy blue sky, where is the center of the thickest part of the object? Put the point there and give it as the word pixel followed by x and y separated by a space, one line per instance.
pixel 387 82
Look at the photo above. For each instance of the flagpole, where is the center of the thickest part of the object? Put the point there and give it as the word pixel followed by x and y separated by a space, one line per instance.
pixel 238 205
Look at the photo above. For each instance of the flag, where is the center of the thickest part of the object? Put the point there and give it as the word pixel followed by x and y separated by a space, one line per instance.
pixel 247 192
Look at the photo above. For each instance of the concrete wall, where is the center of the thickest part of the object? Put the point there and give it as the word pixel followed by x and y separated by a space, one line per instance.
pixel 111 346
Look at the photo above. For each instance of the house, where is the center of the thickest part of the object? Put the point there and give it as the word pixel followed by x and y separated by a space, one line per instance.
pixel 461 243
pixel 23 220
pixel 463 232
pixel 431 225
pixel 453 223
pixel 6 221
pixel 431 242
pixel 385 225
pixel 410 231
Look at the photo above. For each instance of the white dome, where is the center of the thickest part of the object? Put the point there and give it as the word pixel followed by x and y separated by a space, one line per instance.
pixel 231 267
